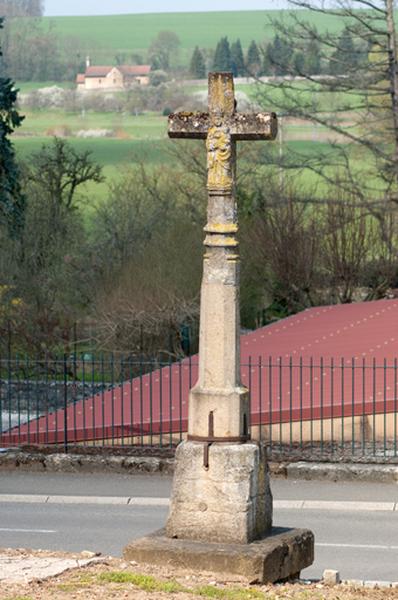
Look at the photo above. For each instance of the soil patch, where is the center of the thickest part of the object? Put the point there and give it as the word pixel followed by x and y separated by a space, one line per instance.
pixel 115 578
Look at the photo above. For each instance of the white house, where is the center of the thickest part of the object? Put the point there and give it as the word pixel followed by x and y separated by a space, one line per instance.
pixel 112 78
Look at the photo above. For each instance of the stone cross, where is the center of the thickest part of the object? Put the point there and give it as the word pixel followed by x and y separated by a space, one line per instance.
pixel 221 500
pixel 219 405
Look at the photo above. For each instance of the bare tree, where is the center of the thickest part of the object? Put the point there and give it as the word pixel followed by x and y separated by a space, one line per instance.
pixel 351 239
pixel 60 170
pixel 163 50
pixel 21 8
pixel 363 120
pixel 143 306
pixel 281 243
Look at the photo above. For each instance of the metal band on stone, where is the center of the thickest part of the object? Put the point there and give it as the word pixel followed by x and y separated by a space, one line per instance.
pixel 239 439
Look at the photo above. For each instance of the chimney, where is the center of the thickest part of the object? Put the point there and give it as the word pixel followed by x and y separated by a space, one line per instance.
pixel 88 62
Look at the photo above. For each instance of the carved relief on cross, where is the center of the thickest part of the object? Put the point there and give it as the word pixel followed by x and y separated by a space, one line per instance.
pixel 218 405
pixel 222 127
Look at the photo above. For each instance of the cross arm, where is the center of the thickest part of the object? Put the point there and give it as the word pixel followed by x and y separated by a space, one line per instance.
pixel 253 126
pixel 194 125
pixel 242 126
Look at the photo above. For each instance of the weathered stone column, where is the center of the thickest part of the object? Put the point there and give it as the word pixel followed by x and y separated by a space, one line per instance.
pixel 218 397
pixel 221 489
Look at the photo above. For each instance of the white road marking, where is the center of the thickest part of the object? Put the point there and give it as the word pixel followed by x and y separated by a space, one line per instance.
pixel 348 505
pixel 87 500
pixel 59 499
pixel 27 530
pixel 23 498
pixel 141 501
pixel 315 505
pixel 365 546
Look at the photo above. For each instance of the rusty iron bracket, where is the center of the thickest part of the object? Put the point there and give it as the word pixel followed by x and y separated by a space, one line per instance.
pixel 211 439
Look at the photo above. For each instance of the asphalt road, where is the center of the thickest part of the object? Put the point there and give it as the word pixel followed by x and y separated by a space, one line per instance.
pixel 361 544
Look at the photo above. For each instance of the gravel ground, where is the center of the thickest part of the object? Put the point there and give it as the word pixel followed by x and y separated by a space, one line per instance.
pixel 115 578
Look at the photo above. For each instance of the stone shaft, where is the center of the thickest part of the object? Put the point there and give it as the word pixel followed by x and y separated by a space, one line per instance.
pixel 218 391
pixel 218 397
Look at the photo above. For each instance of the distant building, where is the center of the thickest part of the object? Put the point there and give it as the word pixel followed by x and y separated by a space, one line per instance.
pixel 112 78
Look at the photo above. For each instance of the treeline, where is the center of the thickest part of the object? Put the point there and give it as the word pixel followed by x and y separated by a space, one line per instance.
pixel 35 52
pixel 280 57
pixel 32 52
pixel 226 57
pixel 21 8
pixel 73 275
pixel 70 271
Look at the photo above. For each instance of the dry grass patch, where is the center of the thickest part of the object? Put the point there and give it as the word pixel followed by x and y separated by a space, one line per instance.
pixel 117 579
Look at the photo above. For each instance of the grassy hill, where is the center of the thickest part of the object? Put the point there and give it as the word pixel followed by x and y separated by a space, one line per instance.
pixel 106 35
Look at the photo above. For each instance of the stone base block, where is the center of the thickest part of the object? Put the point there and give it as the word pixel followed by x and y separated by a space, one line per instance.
pixel 230 501
pixel 279 556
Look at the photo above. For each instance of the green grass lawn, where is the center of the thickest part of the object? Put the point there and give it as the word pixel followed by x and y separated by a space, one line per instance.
pixel 105 151
pixel 116 155
pixel 148 126
pixel 107 35
pixel 138 139
pixel 30 86
pixel 148 139
pixel 112 154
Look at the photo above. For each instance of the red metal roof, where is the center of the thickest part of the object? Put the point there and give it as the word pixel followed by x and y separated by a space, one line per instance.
pixel 299 368
pixel 361 330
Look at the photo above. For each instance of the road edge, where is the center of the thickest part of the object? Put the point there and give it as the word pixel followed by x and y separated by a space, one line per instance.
pixel 16 460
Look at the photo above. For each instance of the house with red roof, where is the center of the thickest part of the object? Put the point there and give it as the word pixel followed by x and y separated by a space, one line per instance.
pixel 108 78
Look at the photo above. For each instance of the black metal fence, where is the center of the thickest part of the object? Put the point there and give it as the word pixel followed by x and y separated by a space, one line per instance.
pixel 301 408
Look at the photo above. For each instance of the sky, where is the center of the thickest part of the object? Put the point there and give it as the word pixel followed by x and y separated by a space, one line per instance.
pixel 108 7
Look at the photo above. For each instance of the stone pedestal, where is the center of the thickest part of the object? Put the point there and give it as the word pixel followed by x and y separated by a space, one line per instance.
pixel 228 502
pixel 278 557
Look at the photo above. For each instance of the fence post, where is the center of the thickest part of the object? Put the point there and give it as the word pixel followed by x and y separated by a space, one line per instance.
pixel 1 401
pixel 250 395
pixel 353 405
pixel 65 405
pixel 395 407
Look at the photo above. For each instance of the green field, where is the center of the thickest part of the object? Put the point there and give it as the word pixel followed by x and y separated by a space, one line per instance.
pixel 105 151
pixel 143 138
pixel 148 126
pixel 104 36
pixel 112 154
pixel 116 155
pixel 30 86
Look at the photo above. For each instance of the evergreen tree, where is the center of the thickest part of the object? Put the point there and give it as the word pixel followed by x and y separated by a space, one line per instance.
pixel 11 199
pixel 313 58
pixel 279 54
pixel 222 57
pixel 253 60
pixel 298 63
pixel 267 67
pixel 197 67
pixel 345 57
pixel 237 59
